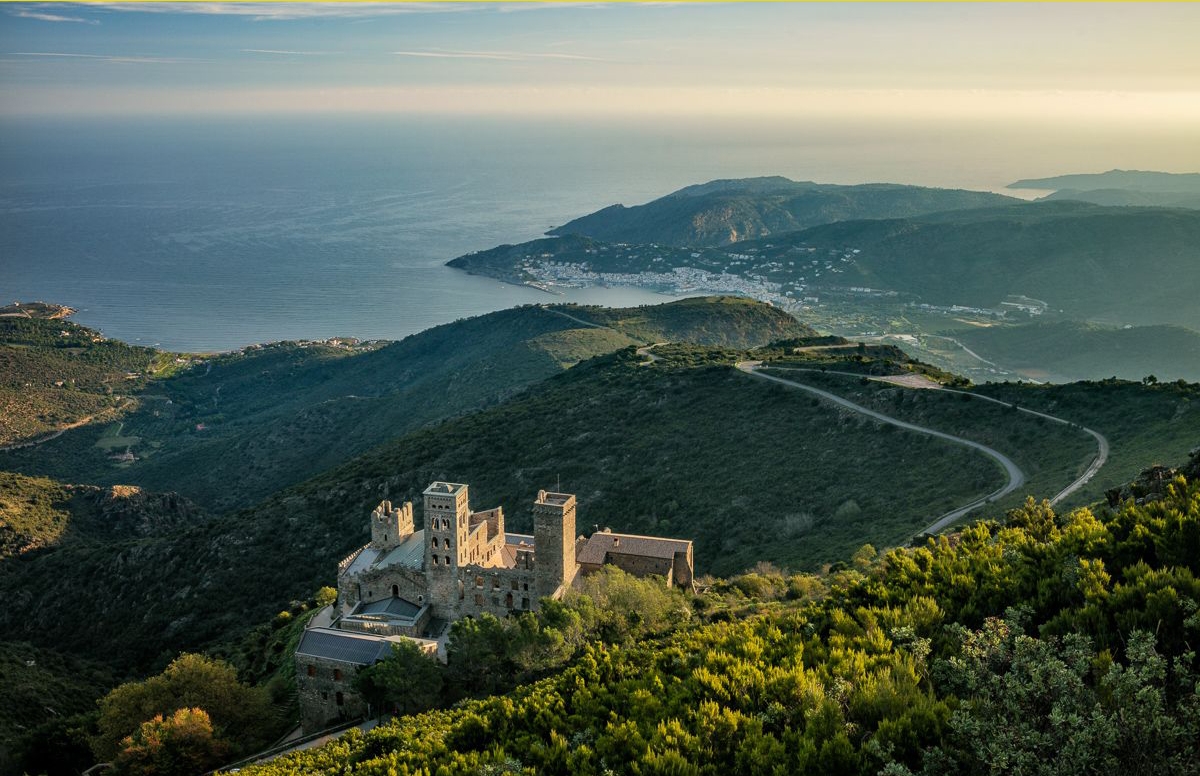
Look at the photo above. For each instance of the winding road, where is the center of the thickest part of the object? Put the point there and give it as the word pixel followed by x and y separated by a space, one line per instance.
pixel 1016 478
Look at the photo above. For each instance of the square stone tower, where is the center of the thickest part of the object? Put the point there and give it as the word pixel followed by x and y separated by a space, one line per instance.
pixel 554 541
pixel 447 516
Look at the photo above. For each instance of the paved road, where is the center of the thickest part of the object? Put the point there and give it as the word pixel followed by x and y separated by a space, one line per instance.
pixel 1101 443
pixel 1102 446
pixel 1016 478
pixel 577 320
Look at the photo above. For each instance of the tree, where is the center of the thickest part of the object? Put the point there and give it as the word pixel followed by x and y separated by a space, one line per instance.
pixel 408 680
pixel 182 744
pixel 237 712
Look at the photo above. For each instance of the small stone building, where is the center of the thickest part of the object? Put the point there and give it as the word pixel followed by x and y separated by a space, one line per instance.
pixel 327 660
pixel 641 556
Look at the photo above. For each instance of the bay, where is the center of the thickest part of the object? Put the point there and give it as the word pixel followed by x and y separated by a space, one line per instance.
pixel 201 235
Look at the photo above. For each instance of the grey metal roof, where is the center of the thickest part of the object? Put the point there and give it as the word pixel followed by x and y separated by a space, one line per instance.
pixel 409 554
pixel 396 607
pixel 600 545
pixel 354 648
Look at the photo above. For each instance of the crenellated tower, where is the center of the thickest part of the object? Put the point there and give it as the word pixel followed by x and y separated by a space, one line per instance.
pixel 390 527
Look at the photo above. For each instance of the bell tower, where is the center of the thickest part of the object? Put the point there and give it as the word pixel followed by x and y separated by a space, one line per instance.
pixel 447 516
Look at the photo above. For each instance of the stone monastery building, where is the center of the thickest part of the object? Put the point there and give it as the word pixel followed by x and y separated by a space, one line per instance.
pixel 412 584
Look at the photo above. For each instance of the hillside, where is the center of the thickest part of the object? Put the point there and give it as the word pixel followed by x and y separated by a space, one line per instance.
pixel 1048 643
pixel 38 513
pixel 1119 265
pixel 1065 351
pixel 55 373
pixel 233 428
pixel 1129 197
pixel 770 474
pixel 1124 180
pixel 729 211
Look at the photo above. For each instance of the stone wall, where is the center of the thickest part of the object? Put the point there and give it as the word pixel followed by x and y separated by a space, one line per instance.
pixel 325 691
pixel 377 584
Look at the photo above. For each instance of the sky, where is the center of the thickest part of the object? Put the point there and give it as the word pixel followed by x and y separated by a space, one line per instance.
pixel 1114 63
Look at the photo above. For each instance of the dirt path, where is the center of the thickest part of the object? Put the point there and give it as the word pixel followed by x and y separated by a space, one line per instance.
pixel 59 432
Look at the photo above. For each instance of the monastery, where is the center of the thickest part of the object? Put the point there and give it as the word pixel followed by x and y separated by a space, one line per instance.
pixel 413 584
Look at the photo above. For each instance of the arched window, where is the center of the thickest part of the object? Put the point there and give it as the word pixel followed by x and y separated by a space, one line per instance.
pixel 447 560
pixel 508 599
pixel 395 591
pixel 435 560
pixel 341 700
pixel 435 544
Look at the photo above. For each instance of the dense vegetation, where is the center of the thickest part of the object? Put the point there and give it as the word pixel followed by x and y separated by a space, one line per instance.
pixel 1064 351
pixel 728 211
pixel 1090 262
pixel 621 435
pixel 1048 644
pixel 236 427
pixel 54 373
pixel 1051 455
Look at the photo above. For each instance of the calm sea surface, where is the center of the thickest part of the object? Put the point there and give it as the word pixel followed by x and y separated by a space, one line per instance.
pixel 212 235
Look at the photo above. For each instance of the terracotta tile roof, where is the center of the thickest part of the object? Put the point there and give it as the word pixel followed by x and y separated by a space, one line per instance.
pixel 600 545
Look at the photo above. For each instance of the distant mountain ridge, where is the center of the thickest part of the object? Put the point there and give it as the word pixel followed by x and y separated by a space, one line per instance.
pixel 727 211
pixel 1122 187
pixel 1129 180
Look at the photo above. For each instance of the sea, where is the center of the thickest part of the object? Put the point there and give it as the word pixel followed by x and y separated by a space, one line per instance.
pixel 211 234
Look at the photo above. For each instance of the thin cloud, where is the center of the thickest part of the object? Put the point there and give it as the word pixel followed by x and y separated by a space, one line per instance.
pixel 52 17
pixel 103 57
pixel 285 11
pixel 507 56
pixel 285 53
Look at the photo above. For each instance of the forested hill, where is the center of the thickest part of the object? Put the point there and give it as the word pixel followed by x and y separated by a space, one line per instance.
pixel 1063 351
pixel 729 211
pixel 1052 644
pixel 227 430
pixel 685 446
pixel 1127 180
pixel 1121 265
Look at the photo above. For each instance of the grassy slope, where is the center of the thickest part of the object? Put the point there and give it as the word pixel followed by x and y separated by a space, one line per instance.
pixel 1145 425
pixel 1065 351
pixel 54 373
pixel 229 432
pixel 1051 455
